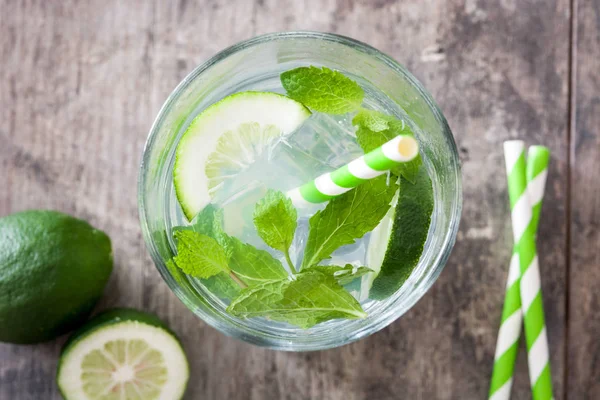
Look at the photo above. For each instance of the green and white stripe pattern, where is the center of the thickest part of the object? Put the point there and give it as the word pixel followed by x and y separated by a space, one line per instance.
pixel 524 224
pixel 400 149
pixel 507 345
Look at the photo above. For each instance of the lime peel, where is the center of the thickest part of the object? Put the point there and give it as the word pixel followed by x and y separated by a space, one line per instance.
pixel 125 354
pixel 271 112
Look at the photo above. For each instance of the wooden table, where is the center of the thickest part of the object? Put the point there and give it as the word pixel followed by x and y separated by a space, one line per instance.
pixel 80 84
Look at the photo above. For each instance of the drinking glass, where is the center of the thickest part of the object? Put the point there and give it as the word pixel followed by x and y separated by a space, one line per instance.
pixel 256 64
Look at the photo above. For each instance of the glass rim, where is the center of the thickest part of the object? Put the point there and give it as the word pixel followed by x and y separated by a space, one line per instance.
pixel 391 312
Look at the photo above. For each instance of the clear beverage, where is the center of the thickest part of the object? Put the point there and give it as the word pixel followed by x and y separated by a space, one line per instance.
pixel 323 143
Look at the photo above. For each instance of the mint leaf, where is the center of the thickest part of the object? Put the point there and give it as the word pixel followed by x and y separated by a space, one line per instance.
pixel 323 89
pixel 259 300
pixel 252 265
pixel 222 286
pixel 311 298
pixel 346 218
pixel 199 255
pixel 275 220
pixel 369 139
pixel 409 170
pixel 175 272
pixel 373 120
pixel 203 223
pixel 208 222
pixel 343 275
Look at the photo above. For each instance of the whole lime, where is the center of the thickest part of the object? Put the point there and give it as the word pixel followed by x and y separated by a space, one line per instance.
pixel 53 269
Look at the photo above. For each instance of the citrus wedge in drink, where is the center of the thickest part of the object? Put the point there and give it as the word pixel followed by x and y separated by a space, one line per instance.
pixel 397 243
pixel 225 139
pixel 123 354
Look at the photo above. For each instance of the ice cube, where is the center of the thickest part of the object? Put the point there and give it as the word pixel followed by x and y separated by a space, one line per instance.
pixel 238 213
pixel 322 144
pixel 328 139
pixel 351 254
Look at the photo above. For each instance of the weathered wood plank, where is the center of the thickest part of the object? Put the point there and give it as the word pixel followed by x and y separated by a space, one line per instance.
pixel 495 80
pixel 584 301
pixel 74 87
pixel 80 84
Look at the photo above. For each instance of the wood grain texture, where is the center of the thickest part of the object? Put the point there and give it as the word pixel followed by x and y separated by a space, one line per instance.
pixel 80 83
pixel 584 302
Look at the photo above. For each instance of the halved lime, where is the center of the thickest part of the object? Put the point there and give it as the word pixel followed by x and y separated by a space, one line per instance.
pixel 396 244
pixel 123 354
pixel 226 138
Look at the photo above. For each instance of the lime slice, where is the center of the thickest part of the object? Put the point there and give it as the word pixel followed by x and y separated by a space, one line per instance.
pixel 123 354
pixel 236 150
pixel 226 138
pixel 396 244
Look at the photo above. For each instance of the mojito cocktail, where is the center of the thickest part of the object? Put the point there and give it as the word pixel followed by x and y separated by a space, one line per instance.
pixel 301 196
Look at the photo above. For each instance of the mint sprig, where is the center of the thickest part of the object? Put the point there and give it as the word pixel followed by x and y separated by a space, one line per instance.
pixel 323 89
pixel 303 299
pixel 347 218
pixel 203 246
pixel 329 91
pixel 275 219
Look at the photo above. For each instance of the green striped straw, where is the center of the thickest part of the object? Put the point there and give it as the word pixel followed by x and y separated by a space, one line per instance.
pixel 400 149
pixel 538 159
pixel 524 225
pixel 507 345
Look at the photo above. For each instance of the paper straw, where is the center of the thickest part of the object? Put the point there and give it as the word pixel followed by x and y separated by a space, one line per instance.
pixel 399 150
pixel 507 345
pixel 530 288
pixel 538 158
